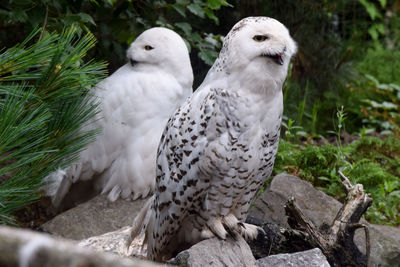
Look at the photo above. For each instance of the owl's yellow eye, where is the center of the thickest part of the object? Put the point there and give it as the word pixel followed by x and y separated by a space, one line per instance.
pixel 260 38
pixel 148 47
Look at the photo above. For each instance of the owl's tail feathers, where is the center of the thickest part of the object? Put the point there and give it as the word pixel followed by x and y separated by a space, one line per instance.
pixel 141 221
pixel 56 186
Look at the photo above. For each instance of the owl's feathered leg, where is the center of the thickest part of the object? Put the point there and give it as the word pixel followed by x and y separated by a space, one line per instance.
pixel 56 186
pixel 141 221
pixel 220 227
pixel 233 225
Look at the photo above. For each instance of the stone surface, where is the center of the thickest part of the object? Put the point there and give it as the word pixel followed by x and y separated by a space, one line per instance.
pixel 385 245
pixel 308 258
pixel 315 204
pixel 212 252
pixel 116 242
pixel 99 216
pixel 24 248
pixel 215 252
pixel 321 209
pixel 94 217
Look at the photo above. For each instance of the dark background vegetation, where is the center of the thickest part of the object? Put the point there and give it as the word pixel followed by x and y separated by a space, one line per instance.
pixel 343 85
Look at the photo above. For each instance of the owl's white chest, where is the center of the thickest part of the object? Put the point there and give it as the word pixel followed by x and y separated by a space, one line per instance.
pixel 246 133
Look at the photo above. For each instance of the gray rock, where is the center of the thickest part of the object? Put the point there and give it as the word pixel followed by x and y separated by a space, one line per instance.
pixel 321 209
pixel 93 218
pixel 116 242
pixel 385 245
pixel 269 208
pixel 315 204
pixel 308 258
pixel 215 252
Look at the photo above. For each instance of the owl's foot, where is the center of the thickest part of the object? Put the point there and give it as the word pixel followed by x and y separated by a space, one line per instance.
pixel 230 223
pixel 250 231
pixel 216 227
pixel 220 227
pixel 235 227
pixel 206 234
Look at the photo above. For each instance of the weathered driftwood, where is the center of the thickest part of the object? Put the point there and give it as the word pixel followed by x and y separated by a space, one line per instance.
pixel 27 248
pixel 336 241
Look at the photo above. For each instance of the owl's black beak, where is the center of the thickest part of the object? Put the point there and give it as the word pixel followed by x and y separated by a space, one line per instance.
pixel 133 62
pixel 276 58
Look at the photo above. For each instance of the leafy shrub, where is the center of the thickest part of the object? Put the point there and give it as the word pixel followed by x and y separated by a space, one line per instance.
pixel 117 23
pixel 377 104
pixel 371 161
pixel 44 89
pixel 382 64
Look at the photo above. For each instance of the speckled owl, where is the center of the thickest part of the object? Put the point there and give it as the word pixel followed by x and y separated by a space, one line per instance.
pixel 219 147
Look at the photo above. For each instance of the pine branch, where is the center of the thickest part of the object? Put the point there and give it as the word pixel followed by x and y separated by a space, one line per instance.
pixel 44 101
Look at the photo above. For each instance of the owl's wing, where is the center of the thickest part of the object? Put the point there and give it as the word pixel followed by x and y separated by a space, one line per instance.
pixel 122 110
pixel 186 166
pixel 147 107
pixel 99 154
pixel 114 96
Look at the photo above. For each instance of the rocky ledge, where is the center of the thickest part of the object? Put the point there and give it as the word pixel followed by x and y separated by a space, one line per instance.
pixel 102 221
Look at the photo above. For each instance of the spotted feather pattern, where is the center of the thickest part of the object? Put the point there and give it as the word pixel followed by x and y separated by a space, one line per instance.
pixel 203 159
pixel 220 145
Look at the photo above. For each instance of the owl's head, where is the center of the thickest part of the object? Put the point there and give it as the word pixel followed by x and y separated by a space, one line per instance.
pixel 162 49
pixel 260 45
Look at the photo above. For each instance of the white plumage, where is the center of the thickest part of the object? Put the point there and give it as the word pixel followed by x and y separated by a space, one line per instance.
pixel 219 147
pixel 136 102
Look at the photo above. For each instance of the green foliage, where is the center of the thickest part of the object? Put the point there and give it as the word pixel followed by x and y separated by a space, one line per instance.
pixel 377 28
pixel 355 35
pixel 378 104
pixel 341 117
pixel 388 62
pixel 292 131
pixel 332 37
pixel 44 100
pixel 377 167
pixel 373 162
pixel 118 23
pixel 316 164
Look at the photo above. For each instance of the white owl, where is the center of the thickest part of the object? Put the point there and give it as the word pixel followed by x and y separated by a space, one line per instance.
pixel 219 148
pixel 135 102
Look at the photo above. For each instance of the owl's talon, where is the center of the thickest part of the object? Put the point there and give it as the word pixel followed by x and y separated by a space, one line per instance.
pixel 250 231
pixel 261 230
pixel 217 228
pixel 230 222
pixel 206 234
